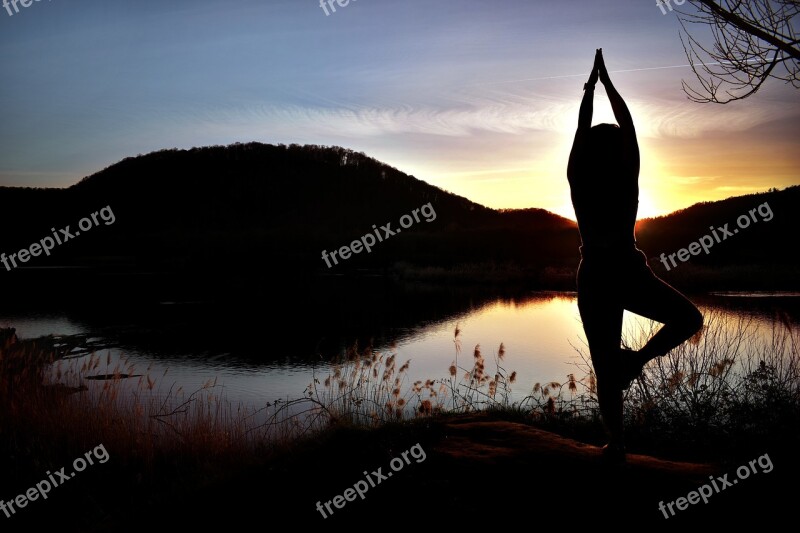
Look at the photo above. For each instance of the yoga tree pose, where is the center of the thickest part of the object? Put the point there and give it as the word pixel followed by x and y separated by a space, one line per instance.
pixel 613 274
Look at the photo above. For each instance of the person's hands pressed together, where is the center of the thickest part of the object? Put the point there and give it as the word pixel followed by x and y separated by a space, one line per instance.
pixel 601 67
pixel 598 58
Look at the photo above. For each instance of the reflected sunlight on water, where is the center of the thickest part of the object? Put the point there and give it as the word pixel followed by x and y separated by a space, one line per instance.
pixel 540 334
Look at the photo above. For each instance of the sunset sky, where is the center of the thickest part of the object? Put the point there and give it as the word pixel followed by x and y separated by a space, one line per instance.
pixel 477 97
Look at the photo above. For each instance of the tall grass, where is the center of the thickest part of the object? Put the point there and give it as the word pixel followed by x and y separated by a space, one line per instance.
pixel 728 385
pixel 51 411
pixel 726 382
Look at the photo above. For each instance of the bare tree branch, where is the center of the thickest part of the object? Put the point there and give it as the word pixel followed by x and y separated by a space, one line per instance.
pixel 752 41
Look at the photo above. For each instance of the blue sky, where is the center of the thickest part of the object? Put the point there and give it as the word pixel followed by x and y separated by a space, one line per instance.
pixel 477 97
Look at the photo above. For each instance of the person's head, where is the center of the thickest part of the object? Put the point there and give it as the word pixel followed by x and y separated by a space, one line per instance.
pixel 605 141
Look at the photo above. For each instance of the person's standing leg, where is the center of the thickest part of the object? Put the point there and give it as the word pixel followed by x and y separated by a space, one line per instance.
pixel 602 324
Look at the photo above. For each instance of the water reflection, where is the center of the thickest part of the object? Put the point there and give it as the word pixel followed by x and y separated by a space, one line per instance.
pixel 254 360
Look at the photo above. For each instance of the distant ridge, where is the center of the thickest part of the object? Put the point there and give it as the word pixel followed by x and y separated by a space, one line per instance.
pixel 258 209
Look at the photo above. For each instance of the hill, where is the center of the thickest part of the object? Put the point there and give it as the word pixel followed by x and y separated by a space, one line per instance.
pixel 255 210
pixel 241 214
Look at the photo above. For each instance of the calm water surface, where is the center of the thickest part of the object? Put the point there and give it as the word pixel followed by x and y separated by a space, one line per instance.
pixel 188 344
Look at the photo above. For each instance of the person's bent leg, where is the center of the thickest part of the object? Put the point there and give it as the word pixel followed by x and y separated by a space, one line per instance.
pixel 657 300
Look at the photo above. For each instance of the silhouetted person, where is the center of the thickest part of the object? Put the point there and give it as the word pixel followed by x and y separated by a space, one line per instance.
pixel 613 274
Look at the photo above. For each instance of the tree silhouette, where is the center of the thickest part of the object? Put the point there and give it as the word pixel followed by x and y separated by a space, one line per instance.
pixel 754 40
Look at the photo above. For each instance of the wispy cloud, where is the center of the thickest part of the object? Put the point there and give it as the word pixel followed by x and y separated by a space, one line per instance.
pixel 502 112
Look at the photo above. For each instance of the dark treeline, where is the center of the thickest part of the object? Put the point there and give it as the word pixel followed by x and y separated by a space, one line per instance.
pixel 247 214
pixel 678 229
pixel 219 215
pixel 755 255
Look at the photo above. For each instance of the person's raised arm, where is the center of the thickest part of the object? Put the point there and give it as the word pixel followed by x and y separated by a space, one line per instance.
pixel 621 111
pixel 577 154
pixel 585 114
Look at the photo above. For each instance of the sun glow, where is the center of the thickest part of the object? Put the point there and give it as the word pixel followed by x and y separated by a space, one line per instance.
pixel 646 206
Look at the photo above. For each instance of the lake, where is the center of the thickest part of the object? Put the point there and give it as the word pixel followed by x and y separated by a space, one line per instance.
pixel 275 349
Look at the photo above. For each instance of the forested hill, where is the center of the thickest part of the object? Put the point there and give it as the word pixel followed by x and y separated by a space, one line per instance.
pixel 265 207
pixel 251 210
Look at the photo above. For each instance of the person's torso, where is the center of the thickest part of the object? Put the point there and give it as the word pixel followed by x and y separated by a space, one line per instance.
pixel 606 206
